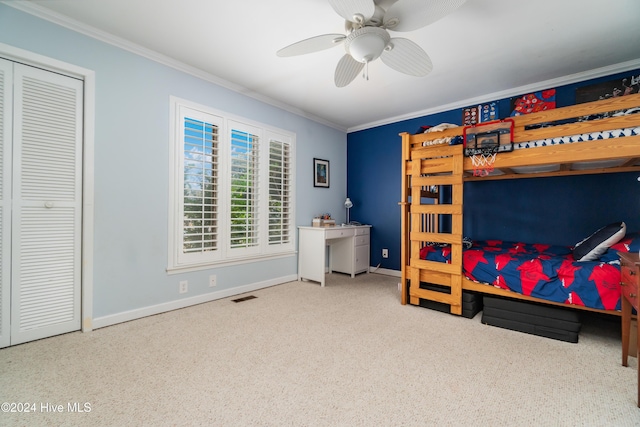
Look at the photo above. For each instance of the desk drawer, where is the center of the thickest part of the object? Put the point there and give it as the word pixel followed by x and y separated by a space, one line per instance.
pixel 362 231
pixel 362 240
pixel 338 233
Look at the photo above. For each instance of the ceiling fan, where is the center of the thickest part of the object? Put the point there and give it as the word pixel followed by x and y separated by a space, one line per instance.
pixel 367 25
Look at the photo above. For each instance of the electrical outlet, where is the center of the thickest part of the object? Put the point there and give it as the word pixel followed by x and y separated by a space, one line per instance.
pixel 385 253
pixel 183 287
pixel 213 281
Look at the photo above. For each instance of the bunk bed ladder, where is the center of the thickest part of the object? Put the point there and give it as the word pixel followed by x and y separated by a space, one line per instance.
pixel 424 219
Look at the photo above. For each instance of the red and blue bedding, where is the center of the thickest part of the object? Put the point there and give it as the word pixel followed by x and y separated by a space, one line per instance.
pixel 548 272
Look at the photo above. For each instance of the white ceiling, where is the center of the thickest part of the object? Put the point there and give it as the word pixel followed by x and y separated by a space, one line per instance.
pixel 486 49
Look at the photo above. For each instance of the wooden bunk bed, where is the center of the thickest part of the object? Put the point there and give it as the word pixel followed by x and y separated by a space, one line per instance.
pixel 428 167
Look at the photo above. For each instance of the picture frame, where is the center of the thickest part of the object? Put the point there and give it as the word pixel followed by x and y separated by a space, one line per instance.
pixel 321 173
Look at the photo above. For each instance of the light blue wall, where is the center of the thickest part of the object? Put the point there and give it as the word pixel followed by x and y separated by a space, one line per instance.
pixel 132 165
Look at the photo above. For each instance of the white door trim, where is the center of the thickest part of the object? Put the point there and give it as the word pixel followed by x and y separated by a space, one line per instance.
pixel 34 59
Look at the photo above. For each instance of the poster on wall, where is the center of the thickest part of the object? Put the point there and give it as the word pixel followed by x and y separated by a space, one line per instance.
pixel 480 114
pixel 533 102
pixel 469 116
pixel 488 112
pixel 610 89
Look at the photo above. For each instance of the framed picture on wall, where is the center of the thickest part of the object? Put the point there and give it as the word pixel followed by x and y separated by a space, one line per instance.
pixel 320 173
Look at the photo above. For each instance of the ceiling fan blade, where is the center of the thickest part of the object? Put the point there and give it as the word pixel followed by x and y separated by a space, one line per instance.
pixel 409 15
pixel 407 57
pixel 347 70
pixel 313 44
pixel 349 9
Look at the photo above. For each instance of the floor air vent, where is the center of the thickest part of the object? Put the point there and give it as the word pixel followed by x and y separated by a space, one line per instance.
pixel 244 298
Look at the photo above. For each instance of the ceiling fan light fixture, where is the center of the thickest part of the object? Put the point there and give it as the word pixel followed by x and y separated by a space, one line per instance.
pixel 366 44
pixel 367 25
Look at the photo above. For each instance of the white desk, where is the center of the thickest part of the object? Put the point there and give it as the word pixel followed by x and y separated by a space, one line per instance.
pixel 348 251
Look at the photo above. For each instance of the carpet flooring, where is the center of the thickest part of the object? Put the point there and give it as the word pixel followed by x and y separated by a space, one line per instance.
pixel 348 354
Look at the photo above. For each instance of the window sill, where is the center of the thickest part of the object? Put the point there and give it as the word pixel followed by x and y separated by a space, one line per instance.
pixel 228 262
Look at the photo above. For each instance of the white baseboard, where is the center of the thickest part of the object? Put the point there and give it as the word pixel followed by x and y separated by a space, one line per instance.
pixel 385 271
pixel 113 319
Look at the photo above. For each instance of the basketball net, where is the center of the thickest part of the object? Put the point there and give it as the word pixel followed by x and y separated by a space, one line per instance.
pixel 483 163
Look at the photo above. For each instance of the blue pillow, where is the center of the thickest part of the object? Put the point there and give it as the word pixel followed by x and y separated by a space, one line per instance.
pixel 591 248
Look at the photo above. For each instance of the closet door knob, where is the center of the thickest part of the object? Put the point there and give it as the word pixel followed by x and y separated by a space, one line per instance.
pixel 48 205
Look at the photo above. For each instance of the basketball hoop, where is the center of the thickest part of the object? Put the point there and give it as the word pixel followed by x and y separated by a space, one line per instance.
pixel 482 143
pixel 483 160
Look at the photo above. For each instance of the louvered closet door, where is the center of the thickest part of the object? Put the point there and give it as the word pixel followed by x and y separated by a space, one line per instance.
pixel 47 178
pixel 6 105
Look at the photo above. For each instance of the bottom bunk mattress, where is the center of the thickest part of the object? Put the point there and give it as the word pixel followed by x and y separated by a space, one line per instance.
pixel 545 321
pixel 547 272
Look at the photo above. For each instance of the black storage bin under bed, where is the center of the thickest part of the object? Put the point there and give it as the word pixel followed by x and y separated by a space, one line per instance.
pixel 471 302
pixel 537 319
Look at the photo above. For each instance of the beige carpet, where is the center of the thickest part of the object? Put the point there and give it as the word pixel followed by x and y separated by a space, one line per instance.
pixel 299 355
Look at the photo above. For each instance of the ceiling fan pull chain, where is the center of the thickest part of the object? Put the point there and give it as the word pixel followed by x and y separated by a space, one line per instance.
pixel 365 73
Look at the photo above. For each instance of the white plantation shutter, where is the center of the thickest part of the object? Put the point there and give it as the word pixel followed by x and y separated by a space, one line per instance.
pixel 47 190
pixel 280 218
pixel 200 178
pixel 232 190
pixel 199 186
pixel 6 103
pixel 245 184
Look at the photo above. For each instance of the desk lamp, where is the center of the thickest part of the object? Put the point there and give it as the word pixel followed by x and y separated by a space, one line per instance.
pixel 348 205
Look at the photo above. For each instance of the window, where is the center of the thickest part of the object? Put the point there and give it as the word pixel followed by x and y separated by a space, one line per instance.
pixel 231 189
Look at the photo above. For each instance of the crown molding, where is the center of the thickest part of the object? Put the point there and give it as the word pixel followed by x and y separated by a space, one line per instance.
pixel 534 87
pixel 108 38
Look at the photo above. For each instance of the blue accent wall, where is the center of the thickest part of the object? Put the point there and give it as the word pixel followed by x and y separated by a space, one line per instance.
pixel 558 210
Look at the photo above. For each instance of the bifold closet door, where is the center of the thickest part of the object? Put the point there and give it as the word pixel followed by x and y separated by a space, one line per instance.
pixel 46 204
pixel 6 106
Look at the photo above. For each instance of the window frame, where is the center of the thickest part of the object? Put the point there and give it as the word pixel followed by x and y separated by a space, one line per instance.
pixel 224 253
